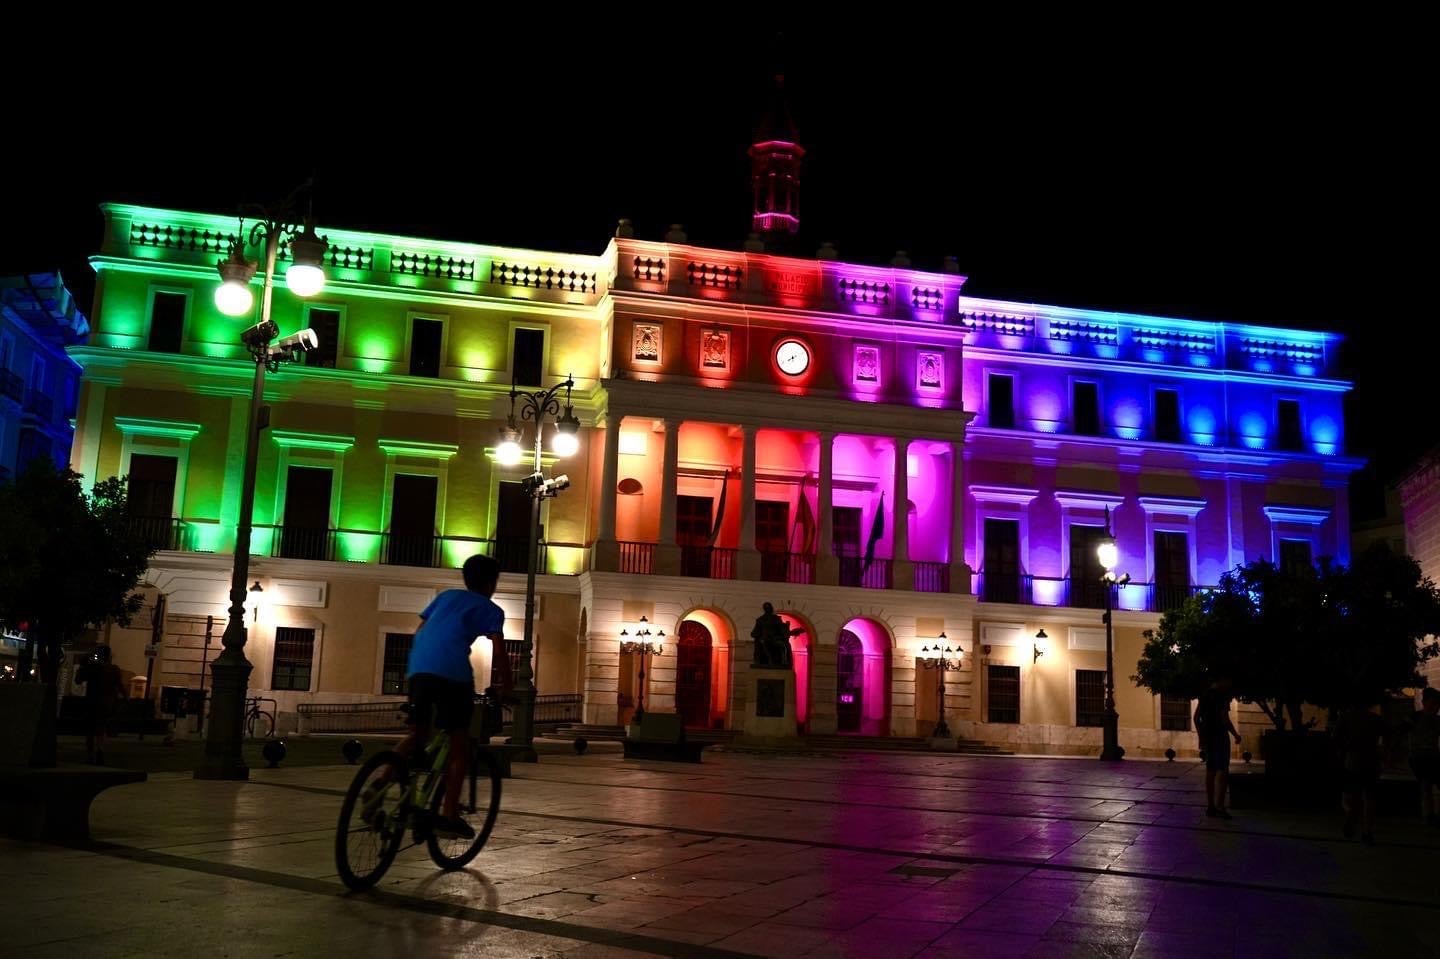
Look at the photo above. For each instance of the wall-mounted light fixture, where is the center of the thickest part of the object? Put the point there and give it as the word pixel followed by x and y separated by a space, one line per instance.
pixel 257 593
pixel 1039 638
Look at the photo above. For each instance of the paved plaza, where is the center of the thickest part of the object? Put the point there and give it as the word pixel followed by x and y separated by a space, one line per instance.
pixel 766 855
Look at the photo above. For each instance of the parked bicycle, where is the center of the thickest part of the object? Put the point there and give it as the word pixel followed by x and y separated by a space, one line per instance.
pixel 390 799
pixel 260 723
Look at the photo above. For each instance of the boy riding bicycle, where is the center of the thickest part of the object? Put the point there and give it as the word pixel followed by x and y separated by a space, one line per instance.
pixel 442 684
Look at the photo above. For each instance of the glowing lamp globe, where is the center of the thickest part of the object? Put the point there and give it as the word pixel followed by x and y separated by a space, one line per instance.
pixel 565 443
pixel 1108 553
pixel 305 279
pixel 234 298
pixel 507 453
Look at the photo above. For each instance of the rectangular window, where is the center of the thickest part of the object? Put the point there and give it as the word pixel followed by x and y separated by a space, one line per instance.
pixel 1004 683
pixel 1086 589
pixel 306 530
pixel 412 539
pixel 1085 408
pixel 397 660
pixel 425 338
pixel 167 322
pixel 512 528
pixel 513 649
pixel 1294 555
pixel 1000 566
pixel 529 357
pixel 1175 714
pixel 150 498
pixel 294 653
pixel 1089 697
pixel 1167 416
pixel 1172 570
pixel 326 324
pixel 1000 400
pixel 1287 426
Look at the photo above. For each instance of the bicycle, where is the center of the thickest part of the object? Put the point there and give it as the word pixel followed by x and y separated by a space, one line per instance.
pixel 257 718
pixel 388 799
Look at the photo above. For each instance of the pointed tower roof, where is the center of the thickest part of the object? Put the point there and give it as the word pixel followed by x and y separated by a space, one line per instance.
pixel 776 123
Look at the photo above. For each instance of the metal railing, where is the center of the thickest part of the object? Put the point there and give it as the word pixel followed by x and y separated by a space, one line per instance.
pixel 1162 597
pixel 302 542
pixel 1004 587
pixel 932 577
pixel 1085 592
pixel 707 562
pixel 411 549
pixel 854 571
pixel 40 405
pixel 159 532
pixel 637 557
pixel 12 385
pixel 778 567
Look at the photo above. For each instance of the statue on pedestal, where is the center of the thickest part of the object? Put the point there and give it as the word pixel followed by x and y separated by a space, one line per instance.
pixel 772 640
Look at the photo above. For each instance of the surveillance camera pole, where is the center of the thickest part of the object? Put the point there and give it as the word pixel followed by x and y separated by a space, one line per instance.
pixel 534 406
pixel 230 672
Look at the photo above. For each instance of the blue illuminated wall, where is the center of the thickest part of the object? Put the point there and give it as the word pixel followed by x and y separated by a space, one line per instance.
pixel 1256 457
pixel 38 381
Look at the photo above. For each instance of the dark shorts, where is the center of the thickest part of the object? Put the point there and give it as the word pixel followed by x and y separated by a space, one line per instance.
pixel 1217 753
pixel 1426 768
pixel 442 702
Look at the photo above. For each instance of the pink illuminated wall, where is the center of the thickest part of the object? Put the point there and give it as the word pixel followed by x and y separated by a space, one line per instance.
pixel 800 650
pixel 876 683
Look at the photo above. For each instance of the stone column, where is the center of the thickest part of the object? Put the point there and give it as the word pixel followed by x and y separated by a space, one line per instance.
pixel 827 567
pixel 959 570
pixel 747 561
pixel 667 553
pixel 902 573
pixel 821 717
pixel 605 554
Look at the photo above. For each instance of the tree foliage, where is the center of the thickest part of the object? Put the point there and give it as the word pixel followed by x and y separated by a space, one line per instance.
pixel 68 561
pixel 1330 636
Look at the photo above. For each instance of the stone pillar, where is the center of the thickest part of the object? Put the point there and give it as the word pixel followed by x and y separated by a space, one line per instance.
pixel 827 567
pixel 602 680
pixel 605 555
pixel 747 561
pixel 902 573
pixel 959 570
pixel 667 553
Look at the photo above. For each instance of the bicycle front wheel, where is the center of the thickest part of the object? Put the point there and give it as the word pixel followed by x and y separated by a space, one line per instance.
pixel 372 820
pixel 262 724
pixel 479 805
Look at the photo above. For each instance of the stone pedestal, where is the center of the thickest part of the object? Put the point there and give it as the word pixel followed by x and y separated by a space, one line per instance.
pixel 770 713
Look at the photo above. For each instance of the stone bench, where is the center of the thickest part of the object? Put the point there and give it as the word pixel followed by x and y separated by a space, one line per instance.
pixel 54 803
pixel 661 736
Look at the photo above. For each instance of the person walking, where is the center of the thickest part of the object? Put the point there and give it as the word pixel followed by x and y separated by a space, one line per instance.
pixel 1358 734
pixel 103 692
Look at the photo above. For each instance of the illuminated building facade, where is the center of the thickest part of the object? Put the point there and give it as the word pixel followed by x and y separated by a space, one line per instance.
pixel 38 381
pixel 886 459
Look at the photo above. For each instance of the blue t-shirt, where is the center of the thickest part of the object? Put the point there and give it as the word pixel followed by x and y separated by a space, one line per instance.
pixel 452 622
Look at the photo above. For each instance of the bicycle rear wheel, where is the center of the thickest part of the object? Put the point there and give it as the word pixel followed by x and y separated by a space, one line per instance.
pixel 372 820
pixel 479 805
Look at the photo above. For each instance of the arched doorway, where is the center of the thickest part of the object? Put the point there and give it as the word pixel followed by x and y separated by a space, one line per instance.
pixel 692 674
pixel 862 679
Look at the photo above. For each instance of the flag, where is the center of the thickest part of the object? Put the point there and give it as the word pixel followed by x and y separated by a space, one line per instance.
pixel 877 530
pixel 720 510
pixel 804 524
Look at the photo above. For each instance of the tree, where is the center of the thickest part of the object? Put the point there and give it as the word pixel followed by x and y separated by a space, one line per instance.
pixel 68 561
pixel 1330 636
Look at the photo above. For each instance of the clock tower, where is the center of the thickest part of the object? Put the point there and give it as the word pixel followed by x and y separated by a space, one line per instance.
pixel 775 172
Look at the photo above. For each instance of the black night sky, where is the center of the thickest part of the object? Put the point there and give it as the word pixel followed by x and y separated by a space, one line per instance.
pixel 1273 174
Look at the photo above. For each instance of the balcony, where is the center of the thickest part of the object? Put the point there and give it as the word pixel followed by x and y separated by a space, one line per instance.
pixel 707 562
pixel 303 542
pixel 159 532
pixel 855 572
pixel 1005 588
pixel 932 577
pixel 12 386
pixel 637 557
pixel 777 567
pixel 39 405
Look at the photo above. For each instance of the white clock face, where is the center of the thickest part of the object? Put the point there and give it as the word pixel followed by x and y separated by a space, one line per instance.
pixel 793 357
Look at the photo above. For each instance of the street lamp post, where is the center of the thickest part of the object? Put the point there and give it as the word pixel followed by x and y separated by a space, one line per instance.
pixel 230 672
pixel 1109 555
pixel 938 659
pixel 641 644
pixel 535 406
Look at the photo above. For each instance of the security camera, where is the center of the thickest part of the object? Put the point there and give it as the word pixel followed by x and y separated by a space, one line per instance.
pixel 554 486
pixel 295 344
pixel 260 334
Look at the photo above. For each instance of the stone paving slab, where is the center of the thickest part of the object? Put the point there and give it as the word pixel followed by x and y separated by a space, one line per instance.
pixel 866 855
